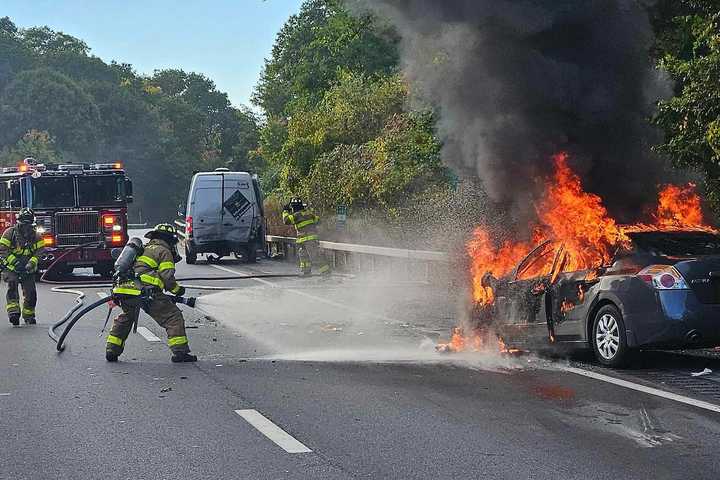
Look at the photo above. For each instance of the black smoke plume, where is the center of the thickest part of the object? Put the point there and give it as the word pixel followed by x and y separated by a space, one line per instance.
pixel 514 81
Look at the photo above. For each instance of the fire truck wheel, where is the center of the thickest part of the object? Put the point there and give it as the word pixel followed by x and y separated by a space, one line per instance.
pixel 190 256
pixel 104 269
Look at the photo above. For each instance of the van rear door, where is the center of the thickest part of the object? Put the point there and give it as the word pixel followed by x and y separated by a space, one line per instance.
pixel 206 208
pixel 239 207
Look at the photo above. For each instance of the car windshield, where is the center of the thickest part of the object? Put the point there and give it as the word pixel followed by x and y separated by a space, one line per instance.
pixel 677 244
pixel 53 192
pixel 100 190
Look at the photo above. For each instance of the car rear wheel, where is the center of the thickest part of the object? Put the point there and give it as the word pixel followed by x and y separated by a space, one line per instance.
pixel 608 337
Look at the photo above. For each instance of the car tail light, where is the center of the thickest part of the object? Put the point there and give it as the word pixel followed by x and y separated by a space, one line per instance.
pixel 663 277
pixel 188 226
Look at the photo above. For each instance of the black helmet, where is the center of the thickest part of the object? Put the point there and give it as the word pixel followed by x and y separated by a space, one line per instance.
pixel 26 217
pixel 296 204
pixel 164 231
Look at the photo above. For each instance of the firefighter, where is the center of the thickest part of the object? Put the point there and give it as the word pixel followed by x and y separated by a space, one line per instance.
pixel 310 255
pixel 20 247
pixel 154 274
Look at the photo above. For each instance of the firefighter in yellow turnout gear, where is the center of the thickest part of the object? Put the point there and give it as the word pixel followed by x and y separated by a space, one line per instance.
pixel 310 255
pixel 20 247
pixel 154 274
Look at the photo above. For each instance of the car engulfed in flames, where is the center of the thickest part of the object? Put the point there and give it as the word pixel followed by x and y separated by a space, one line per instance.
pixel 584 280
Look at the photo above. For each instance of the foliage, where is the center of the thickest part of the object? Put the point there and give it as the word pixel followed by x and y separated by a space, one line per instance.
pixel 163 127
pixel 691 119
pixel 36 144
pixel 338 131
pixel 312 49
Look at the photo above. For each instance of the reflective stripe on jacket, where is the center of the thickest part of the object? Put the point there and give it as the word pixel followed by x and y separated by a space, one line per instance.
pixel 305 223
pixel 156 267
pixel 13 248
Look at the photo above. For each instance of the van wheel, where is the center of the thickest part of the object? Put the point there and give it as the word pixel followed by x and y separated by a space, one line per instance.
pixel 609 339
pixel 190 256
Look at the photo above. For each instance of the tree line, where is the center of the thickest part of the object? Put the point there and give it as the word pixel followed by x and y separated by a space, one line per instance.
pixel 335 126
pixel 59 103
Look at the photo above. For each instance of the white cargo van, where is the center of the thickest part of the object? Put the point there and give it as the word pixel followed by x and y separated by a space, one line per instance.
pixel 224 216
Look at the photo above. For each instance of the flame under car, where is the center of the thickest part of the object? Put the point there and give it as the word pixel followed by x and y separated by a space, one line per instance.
pixel 660 290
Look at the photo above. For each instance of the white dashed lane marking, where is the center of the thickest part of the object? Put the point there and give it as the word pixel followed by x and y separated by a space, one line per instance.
pixel 276 434
pixel 148 335
pixel 143 331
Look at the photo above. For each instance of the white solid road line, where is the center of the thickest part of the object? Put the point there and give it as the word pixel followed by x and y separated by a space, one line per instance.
pixel 642 388
pixel 279 436
pixel 148 335
pixel 4 394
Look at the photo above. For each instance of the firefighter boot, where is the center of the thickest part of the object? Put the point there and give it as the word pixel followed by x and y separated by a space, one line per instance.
pixel 14 319
pixel 183 357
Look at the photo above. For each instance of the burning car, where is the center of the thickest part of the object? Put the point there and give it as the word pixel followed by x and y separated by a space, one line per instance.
pixel 582 280
pixel 662 289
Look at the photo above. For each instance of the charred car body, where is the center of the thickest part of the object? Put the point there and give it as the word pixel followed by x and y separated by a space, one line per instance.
pixel 662 290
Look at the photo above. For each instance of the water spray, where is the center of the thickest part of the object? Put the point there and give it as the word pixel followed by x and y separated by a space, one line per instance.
pixel 79 310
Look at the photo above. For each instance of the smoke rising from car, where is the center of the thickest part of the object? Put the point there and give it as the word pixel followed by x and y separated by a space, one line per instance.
pixel 516 81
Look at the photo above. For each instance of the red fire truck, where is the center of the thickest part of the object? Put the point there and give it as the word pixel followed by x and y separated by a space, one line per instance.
pixel 75 204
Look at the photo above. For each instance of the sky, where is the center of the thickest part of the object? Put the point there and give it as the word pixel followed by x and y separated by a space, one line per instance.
pixel 226 40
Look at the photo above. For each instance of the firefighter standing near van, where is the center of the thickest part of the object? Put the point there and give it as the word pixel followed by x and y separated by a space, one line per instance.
pixel 20 247
pixel 310 255
pixel 153 274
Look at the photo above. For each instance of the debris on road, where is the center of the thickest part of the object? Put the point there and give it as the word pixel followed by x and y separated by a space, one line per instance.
pixel 706 371
pixel 166 389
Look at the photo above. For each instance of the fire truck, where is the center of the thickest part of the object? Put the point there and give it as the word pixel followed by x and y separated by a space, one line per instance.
pixel 77 206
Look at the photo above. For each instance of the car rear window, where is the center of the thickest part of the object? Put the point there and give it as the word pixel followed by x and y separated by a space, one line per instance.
pixel 677 244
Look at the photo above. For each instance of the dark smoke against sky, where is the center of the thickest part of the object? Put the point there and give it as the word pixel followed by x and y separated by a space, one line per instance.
pixel 515 81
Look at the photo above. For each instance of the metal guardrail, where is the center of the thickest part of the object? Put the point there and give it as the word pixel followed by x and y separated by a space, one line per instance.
pixel 424 255
pixel 139 225
pixel 419 255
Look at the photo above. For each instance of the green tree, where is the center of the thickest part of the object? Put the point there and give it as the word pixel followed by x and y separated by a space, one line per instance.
pixel 691 119
pixel 43 99
pixel 36 144
pixel 311 50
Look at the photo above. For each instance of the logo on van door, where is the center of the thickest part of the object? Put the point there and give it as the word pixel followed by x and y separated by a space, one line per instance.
pixel 237 205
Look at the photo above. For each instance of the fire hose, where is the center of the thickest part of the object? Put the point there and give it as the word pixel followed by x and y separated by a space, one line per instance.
pixel 80 309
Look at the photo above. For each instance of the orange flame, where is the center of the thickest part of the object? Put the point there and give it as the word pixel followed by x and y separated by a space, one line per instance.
pixel 579 222
pixel 679 206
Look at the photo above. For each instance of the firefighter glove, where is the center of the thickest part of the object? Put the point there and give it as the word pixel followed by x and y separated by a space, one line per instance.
pixel 31 267
pixel 180 291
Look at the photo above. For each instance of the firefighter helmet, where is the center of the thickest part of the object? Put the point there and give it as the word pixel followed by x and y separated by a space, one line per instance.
pixel 296 204
pixel 163 231
pixel 26 217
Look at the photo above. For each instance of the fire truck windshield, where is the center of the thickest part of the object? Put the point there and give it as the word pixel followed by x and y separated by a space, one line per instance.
pixel 100 190
pixel 53 192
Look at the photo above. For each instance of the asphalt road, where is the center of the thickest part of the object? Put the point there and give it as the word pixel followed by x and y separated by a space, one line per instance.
pixel 345 367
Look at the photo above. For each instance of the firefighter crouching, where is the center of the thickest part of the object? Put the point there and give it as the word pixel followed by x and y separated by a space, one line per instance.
pixel 310 255
pixel 20 247
pixel 153 274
